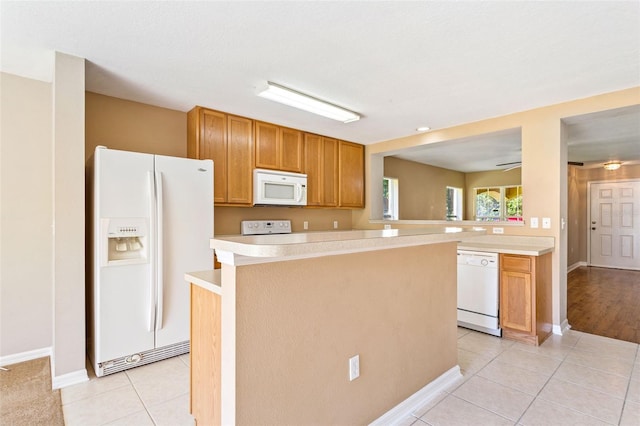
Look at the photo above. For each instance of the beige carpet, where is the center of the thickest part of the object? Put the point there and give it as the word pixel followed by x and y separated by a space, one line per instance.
pixel 26 397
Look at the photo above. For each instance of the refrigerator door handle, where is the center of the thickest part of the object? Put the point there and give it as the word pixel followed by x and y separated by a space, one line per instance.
pixel 159 263
pixel 151 187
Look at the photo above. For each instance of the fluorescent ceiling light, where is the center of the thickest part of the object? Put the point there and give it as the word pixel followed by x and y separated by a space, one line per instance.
pixel 290 97
pixel 612 165
pixel 423 129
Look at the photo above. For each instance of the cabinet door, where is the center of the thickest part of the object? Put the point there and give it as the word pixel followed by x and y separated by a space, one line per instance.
pixel 313 168
pixel 240 160
pixel 351 174
pixel 329 172
pixel 267 149
pixel 213 145
pixel 516 301
pixel 291 150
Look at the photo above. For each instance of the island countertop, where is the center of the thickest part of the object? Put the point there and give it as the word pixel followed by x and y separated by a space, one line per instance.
pixel 313 244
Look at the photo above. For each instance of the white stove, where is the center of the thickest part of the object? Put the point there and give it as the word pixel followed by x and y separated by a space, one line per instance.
pixel 265 227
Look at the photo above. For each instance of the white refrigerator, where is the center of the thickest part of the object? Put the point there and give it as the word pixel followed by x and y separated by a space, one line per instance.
pixel 151 221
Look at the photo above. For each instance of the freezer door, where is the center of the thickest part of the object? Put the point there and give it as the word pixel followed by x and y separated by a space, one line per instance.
pixel 185 228
pixel 121 294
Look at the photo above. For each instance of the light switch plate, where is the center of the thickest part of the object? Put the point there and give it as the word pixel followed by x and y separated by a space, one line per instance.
pixel 534 222
pixel 546 222
pixel 498 230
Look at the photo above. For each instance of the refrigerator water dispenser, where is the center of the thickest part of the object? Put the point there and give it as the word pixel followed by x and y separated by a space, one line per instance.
pixel 125 241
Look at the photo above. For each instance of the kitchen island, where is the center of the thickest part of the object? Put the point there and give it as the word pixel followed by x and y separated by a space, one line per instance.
pixel 271 341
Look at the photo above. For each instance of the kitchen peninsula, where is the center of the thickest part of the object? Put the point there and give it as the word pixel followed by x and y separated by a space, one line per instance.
pixel 272 338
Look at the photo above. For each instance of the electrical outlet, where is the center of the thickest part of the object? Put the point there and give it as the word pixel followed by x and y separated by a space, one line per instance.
pixel 354 367
pixel 387 226
pixel 305 224
pixel 335 224
pixel 546 222
pixel 534 222
pixel 498 230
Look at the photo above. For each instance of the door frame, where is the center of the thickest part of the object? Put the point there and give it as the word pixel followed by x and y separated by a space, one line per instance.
pixel 588 206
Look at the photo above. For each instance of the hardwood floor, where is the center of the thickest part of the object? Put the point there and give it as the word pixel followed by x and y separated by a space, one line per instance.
pixel 605 302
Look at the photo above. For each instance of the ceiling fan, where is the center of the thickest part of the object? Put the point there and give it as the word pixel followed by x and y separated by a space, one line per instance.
pixel 512 165
pixel 515 164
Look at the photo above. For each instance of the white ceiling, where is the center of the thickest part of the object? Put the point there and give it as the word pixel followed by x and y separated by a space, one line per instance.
pixel 400 64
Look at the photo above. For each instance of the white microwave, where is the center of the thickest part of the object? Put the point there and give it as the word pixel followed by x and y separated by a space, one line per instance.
pixel 276 188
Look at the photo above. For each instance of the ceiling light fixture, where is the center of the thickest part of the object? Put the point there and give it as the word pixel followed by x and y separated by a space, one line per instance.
pixel 284 95
pixel 423 129
pixel 612 165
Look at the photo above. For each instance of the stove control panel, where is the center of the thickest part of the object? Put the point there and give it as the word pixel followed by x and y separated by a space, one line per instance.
pixel 265 227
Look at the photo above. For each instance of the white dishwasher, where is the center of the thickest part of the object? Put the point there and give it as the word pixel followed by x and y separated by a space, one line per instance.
pixel 478 291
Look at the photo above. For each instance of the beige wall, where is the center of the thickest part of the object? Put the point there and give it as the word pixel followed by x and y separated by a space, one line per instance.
pixel 227 219
pixel 26 240
pixel 132 126
pixel 579 179
pixel 544 171
pixel 402 325
pixel 577 210
pixel 68 221
pixel 42 235
pixel 422 188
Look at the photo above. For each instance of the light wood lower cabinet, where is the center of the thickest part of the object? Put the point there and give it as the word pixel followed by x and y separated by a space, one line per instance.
pixel 205 361
pixel 525 297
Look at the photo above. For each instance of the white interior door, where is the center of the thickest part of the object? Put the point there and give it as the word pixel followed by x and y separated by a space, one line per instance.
pixel 614 226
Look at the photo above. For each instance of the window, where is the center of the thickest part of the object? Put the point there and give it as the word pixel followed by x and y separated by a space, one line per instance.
pixel 390 198
pixel 500 203
pixel 454 203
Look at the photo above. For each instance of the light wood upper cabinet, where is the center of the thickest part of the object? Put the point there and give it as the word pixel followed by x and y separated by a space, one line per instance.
pixel 228 141
pixel 321 167
pixel 237 145
pixel 351 174
pixel 525 297
pixel 240 160
pixel 278 148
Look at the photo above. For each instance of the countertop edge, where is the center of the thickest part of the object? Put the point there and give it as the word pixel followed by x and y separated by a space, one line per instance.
pixel 233 253
pixel 210 280
pixel 506 249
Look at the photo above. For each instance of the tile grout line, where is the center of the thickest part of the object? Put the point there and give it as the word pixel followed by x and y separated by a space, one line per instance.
pixel 626 395
pixel 475 374
pixel 146 409
pixel 546 383
pixel 574 348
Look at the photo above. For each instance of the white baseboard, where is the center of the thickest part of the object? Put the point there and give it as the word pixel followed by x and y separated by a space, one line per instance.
pixel 562 328
pixel 415 401
pixel 576 266
pixel 69 379
pixel 25 356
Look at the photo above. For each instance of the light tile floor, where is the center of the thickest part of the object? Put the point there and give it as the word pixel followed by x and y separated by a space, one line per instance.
pixel 154 394
pixel 574 379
